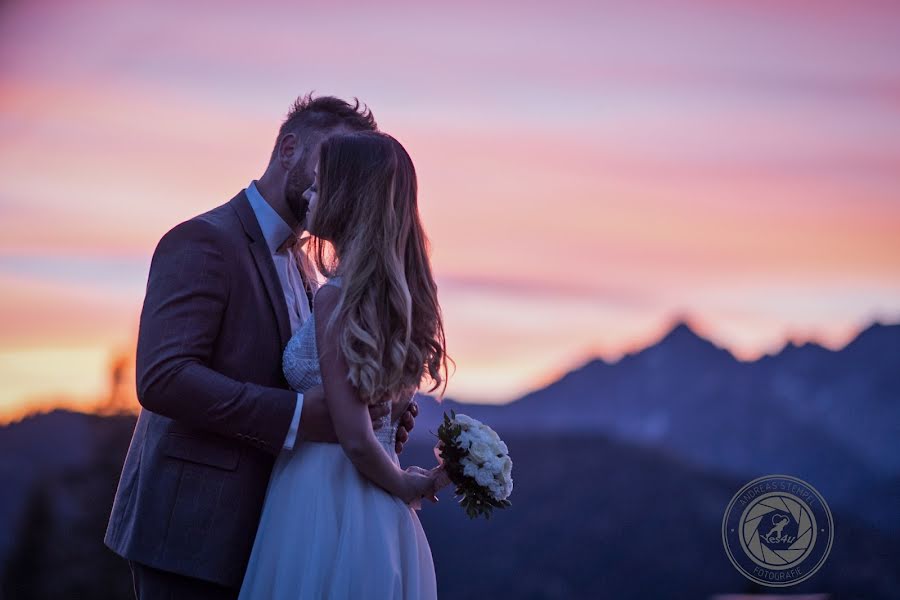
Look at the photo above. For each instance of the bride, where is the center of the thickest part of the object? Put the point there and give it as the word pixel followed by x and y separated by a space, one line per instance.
pixel 337 521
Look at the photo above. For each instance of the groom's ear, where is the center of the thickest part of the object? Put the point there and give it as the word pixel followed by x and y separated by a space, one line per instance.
pixel 288 150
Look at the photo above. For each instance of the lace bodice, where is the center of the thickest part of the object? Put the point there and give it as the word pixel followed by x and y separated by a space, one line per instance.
pixel 301 368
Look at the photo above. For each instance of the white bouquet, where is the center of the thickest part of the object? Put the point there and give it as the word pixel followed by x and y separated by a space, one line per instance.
pixel 477 462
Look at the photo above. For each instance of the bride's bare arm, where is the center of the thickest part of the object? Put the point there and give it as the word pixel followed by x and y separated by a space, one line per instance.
pixel 350 414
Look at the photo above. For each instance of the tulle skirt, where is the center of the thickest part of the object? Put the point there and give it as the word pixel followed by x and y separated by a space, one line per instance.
pixel 327 532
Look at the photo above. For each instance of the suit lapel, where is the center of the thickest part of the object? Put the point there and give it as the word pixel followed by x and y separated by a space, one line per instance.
pixel 264 265
pixel 266 268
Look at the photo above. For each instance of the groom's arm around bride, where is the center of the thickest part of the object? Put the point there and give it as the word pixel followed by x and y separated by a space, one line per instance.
pixel 180 337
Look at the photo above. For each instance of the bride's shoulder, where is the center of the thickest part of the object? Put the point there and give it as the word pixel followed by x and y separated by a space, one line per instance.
pixel 327 295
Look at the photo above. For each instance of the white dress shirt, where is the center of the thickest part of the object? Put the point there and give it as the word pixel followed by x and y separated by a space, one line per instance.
pixel 276 233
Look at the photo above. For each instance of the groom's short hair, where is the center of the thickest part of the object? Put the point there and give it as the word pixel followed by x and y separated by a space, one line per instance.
pixel 324 113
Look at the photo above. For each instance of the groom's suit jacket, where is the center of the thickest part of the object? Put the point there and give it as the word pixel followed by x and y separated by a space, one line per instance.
pixel 216 406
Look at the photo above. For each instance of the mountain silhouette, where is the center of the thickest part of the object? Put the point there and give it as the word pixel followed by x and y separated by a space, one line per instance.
pixel 592 517
pixel 827 416
pixel 622 472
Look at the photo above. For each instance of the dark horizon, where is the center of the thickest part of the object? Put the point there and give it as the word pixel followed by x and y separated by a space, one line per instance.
pixel 126 402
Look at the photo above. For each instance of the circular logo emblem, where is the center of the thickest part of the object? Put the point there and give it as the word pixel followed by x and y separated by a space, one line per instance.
pixel 777 530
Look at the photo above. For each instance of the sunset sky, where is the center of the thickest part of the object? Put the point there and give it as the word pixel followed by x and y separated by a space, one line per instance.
pixel 588 171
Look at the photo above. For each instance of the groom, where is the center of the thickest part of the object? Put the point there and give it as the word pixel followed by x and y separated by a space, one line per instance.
pixel 224 295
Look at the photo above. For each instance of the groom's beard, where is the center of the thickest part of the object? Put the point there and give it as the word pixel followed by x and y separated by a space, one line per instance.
pixel 297 183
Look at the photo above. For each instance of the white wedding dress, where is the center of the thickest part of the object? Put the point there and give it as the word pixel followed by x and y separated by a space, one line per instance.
pixel 326 531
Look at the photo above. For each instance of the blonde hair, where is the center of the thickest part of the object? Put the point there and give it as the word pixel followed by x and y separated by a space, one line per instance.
pixel 366 229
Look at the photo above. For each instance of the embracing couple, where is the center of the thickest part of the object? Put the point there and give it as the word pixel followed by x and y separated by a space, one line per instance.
pixel 264 461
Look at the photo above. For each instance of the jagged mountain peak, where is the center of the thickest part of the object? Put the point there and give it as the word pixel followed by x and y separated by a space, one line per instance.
pixel 681 331
pixel 878 335
pixel 793 348
pixel 682 341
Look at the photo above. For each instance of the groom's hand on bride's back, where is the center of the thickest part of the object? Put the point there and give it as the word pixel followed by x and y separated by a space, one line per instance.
pixel 315 420
pixel 407 422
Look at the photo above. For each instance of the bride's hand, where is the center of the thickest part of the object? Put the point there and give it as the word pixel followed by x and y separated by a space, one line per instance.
pixel 419 483
pixel 441 480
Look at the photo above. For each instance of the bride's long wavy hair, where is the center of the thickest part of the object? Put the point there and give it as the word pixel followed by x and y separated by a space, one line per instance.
pixel 366 229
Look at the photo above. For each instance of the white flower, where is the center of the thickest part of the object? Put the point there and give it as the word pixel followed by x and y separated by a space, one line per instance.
pixel 494 463
pixel 466 421
pixel 491 434
pixel 484 477
pixel 480 451
pixel 506 491
pixel 502 490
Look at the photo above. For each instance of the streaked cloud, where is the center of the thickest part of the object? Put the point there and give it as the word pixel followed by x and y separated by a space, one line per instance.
pixel 587 170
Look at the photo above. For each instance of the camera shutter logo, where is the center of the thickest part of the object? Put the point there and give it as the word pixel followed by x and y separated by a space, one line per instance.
pixel 777 530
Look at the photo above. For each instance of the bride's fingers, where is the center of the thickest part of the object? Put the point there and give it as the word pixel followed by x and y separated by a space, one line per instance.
pixel 429 492
pixel 442 481
pixel 435 488
pixel 441 478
